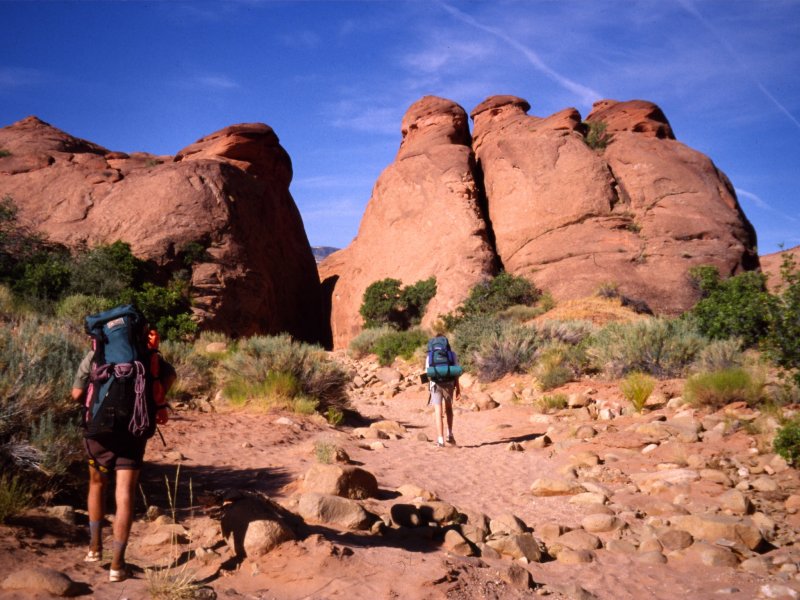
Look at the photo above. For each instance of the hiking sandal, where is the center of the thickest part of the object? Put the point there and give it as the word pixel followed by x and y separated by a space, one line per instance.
pixel 116 575
pixel 93 556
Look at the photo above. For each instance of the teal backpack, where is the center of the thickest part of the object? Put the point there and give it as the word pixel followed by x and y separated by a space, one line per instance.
pixel 442 361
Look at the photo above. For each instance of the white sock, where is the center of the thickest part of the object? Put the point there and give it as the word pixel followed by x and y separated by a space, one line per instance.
pixel 440 440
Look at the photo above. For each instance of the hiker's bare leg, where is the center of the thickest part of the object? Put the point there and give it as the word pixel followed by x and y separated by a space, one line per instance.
pixel 437 416
pixel 125 497
pixel 448 411
pixel 96 507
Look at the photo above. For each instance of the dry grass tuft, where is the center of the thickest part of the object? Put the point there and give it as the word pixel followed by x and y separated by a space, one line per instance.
pixel 599 311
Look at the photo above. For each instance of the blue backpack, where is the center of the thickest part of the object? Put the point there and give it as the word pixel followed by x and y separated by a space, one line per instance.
pixel 119 399
pixel 442 361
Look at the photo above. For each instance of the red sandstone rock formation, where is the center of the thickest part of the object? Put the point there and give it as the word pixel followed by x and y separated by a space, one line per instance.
pixel 228 192
pixel 771 265
pixel 424 218
pixel 639 213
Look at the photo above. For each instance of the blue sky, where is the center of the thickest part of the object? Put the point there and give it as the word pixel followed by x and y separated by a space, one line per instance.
pixel 335 78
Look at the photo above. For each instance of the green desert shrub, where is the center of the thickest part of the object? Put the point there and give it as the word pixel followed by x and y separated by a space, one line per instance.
pixel 107 270
pixel 519 313
pixel 493 296
pixel 718 388
pixel 739 306
pixel 167 308
pixel 783 341
pixel 38 432
pixel 387 303
pixel 469 334
pixel 597 138
pixel 75 307
pixel 364 342
pixel 550 402
pixel 567 332
pixel 256 361
pixel 659 347
pixel 398 343
pixel 194 367
pixel 787 441
pixel 720 355
pixel 511 350
pixel 636 389
pixel 553 368
pixel 15 496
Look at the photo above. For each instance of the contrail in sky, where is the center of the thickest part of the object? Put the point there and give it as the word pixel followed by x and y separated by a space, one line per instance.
pixel 692 10
pixel 587 95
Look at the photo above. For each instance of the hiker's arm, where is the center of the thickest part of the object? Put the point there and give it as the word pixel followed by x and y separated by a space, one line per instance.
pixel 458 389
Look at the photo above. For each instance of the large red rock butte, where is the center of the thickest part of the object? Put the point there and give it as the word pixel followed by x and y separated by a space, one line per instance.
pixel 771 265
pixel 541 203
pixel 424 219
pixel 227 192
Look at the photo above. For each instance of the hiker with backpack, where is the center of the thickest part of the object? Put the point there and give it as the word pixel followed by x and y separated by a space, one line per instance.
pixel 123 383
pixel 442 371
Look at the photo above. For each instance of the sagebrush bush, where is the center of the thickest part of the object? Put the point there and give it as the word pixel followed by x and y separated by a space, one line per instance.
pixel 194 367
pixel 398 343
pixel 38 431
pixel 720 355
pixel 787 441
pixel 520 313
pixel 470 333
pixel 718 388
pixel 364 342
pixel 636 388
pixel 567 332
pixel 553 367
pixel 75 308
pixel 255 358
pixel 511 350
pixel 660 347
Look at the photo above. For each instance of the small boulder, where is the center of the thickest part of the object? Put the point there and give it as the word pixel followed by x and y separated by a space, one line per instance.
pixel 347 481
pixel 545 486
pixel 333 510
pixel 517 545
pixel 41 580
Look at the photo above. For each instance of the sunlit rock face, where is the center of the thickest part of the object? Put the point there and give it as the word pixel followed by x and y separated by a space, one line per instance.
pixel 228 192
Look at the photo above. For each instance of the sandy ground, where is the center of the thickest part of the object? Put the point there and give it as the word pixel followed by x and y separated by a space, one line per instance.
pixel 220 450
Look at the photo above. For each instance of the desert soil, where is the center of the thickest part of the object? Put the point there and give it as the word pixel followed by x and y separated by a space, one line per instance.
pixel 270 452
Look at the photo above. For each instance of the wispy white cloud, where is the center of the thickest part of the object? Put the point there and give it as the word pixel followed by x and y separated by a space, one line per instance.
pixel 335 207
pixel 327 182
pixel 216 82
pixel 446 53
pixel 586 95
pixel 690 7
pixel 367 115
pixel 301 39
pixel 15 77
pixel 763 205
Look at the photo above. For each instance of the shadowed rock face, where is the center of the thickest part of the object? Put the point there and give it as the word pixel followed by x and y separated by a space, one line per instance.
pixel 424 219
pixel 531 196
pixel 227 192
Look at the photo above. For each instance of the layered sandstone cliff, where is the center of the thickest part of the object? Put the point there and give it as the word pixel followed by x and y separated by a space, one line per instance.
pixel 229 192
pixel 541 203
pixel 424 219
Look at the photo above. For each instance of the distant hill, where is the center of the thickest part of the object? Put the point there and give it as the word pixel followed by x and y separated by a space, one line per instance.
pixel 321 252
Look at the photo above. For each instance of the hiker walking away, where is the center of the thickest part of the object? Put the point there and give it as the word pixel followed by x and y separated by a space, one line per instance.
pixel 443 370
pixel 123 383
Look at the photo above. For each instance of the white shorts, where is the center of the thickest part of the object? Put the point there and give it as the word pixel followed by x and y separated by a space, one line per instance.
pixel 442 391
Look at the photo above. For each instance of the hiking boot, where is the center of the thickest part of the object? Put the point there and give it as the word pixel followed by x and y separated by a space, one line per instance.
pixel 451 440
pixel 439 444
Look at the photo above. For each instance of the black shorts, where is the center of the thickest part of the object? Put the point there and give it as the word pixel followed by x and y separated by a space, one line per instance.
pixel 118 453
